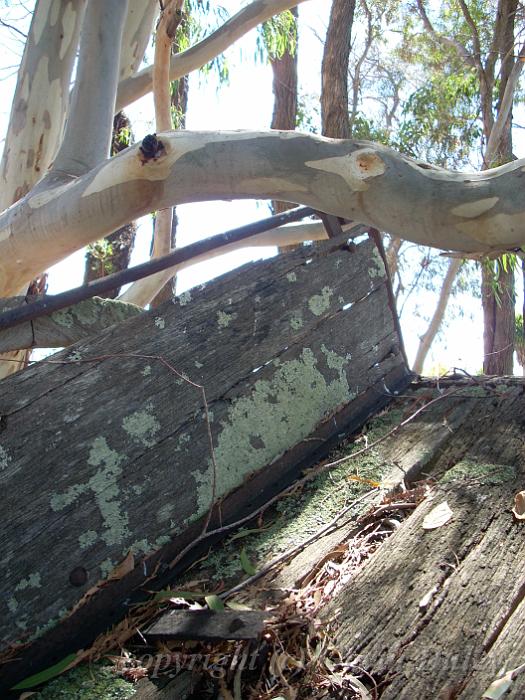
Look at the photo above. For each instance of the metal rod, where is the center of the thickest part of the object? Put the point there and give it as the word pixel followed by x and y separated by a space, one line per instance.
pixel 51 303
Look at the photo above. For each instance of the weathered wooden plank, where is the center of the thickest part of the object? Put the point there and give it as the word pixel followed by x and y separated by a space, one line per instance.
pixel 282 351
pixel 207 625
pixel 436 613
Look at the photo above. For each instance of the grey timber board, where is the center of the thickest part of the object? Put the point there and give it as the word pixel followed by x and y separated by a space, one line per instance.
pixel 107 455
pixel 207 625
pixel 440 613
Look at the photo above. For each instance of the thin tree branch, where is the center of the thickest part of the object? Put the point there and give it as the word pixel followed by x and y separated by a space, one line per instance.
pixel 143 291
pixel 206 50
pixel 13 28
pixel 474 31
pixel 178 259
pixel 444 40
pixel 437 318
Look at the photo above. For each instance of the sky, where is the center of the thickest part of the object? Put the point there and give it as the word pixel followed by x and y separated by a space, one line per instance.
pixel 246 103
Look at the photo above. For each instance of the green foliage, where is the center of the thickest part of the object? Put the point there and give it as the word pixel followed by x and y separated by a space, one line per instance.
pixel 440 120
pixel 100 254
pixel 370 129
pixel 46 674
pixel 276 36
pixel 308 114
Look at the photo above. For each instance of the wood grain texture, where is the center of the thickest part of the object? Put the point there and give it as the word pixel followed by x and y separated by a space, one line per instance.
pixel 439 613
pixel 108 454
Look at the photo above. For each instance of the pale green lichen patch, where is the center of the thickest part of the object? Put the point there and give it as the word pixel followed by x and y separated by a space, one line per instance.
pixel 184 298
pixel 104 486
pixel 198 364
pixel 64 317
pixel 296 320
pixel 87 538
pixel 333 360
pixel 160 322
pixel 319 303
pixel 484 473
pixel 146 371
pixel 5 458
pixel 91 311
pixel 297 517
pixel 291 277
pixel 106 567
pixel 182 441
pixel 12 604
pixel 377 266
pixel 32 581
pixel 279 412
pixel 224 319
pixel 87 682
pixel 142 426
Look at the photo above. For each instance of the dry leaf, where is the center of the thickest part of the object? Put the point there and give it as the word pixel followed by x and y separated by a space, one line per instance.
pixel 438 516
pixel 499 687
pixel 519 506
pixel 123 568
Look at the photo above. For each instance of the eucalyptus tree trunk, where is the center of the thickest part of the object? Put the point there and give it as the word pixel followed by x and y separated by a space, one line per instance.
pixel 84 196
pixel 497 282
pixel 284 86
pixel 334 70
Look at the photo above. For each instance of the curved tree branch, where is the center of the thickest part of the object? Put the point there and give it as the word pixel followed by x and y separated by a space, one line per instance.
pixel 364 182
pixel 444 40
pixel 206 50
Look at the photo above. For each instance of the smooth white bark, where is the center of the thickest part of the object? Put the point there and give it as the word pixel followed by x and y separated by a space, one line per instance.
pixel 41 97
pixel 364 182
pixel 145 290
pixel 427 338
pixel 136 35
pixel 88 131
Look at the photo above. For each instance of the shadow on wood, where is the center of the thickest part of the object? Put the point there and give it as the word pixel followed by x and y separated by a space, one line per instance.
pixel 105 452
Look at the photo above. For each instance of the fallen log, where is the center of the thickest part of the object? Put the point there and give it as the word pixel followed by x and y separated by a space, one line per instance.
pixel 107 473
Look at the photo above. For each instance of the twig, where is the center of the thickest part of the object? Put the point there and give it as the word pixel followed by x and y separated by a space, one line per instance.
pixel 291 552
pixel 99 287
pixel 12 28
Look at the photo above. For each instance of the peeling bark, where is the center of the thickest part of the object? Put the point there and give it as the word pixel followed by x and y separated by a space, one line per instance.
pixel 284 88
pixel 41 98
pixel 497 294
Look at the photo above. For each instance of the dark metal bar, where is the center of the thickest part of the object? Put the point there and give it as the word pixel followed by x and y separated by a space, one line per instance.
pixel 51 303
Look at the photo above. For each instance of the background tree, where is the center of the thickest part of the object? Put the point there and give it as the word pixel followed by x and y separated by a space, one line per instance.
pixel 83 197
